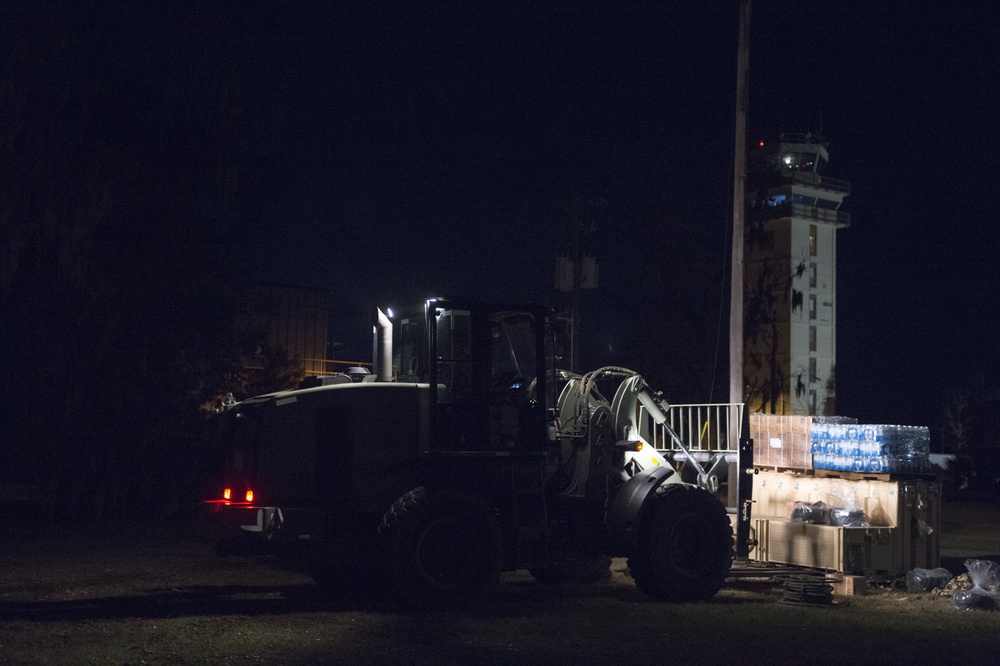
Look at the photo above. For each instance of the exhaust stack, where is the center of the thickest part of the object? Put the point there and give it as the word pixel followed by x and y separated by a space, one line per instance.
pixel 382 352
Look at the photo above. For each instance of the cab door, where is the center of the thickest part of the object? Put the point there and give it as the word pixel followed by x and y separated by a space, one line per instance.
pixel 488 383
pixel 458 378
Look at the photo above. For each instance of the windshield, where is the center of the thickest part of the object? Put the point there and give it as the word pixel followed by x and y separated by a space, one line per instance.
pixel 410 348
pixel 514 346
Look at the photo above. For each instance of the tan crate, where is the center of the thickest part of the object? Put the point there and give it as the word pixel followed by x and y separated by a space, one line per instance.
pixel 850 586
pixel 850 550
pixel 920 524
pixel 881 502
pixel 904 513
pixel 774 493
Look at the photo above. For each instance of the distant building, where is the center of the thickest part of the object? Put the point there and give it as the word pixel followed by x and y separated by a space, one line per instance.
pixel 295 319
pixel 791 277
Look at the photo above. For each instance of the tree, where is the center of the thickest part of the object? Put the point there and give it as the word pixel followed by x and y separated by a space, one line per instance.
pixel 263 370
pixel 660 310
pixel 969 423
pixel 123 198
pixel 768 293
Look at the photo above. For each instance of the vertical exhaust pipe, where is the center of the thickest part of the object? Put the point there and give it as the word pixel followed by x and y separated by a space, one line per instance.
pixel 382 351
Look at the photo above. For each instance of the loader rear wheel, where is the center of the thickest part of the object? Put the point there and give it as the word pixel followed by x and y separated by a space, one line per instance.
pixel 684 546
pixel 440 549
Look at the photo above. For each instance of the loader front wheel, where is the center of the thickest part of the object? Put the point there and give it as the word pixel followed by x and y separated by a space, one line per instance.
pixel 684 547
pixel 440 549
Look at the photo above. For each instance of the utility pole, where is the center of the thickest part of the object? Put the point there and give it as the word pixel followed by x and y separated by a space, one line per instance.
pixel 577 221
pixel 739 210
pixel 574 273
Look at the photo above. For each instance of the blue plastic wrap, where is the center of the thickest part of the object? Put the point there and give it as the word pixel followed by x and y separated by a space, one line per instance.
pixel 873 449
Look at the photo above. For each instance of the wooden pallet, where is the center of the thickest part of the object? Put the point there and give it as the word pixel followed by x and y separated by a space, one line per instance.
pixel 801 471
pixel 851 476
pixel 871 476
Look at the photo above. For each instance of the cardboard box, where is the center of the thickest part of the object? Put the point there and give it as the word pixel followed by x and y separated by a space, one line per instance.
pixel 850 586
pixel 781 441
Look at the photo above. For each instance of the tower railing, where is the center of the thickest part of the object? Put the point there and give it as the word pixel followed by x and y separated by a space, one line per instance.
pixel 837 217
pixel 814 179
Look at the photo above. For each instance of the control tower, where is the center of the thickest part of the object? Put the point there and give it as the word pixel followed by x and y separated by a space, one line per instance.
pixel 790 288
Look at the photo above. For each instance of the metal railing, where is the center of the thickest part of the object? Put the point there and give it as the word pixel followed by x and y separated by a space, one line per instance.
pixel 706 428
pixel 711 435
pixel 837 217
pixel 822 214
pixel 810 178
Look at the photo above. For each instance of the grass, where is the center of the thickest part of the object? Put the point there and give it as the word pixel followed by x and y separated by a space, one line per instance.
pixel 136 594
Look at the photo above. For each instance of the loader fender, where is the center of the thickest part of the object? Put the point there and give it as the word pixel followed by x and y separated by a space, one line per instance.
pixel 629 504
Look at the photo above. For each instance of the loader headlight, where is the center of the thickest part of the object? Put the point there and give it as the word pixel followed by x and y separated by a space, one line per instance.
pixel 630 445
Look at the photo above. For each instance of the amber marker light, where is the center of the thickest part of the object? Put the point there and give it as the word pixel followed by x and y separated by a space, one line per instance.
pixel 227 493
pixel 249 495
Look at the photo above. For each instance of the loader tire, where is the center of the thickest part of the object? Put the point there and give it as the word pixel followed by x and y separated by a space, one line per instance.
pixel 684 546
pixel 440 549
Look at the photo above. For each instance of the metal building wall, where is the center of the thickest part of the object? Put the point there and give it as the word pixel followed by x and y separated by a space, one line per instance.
pixel 296 319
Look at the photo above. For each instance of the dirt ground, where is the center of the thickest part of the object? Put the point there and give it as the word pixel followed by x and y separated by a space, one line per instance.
pixel 142 594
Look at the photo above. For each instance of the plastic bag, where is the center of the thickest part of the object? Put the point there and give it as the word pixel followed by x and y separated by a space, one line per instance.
pixel 985 592
pixel 848 518
pixel 820 513
pixel 925 580
pixel 804 512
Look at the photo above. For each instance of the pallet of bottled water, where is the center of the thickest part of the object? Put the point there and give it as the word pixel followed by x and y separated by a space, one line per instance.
pixel 871 449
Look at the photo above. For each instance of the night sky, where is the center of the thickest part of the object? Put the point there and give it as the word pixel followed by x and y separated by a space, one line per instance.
pixel 399 153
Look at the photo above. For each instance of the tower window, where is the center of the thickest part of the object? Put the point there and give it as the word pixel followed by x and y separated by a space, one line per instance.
pixel 812 306
pixel 812 275
pixel 813 231
pixel 812 338
pixel 813 376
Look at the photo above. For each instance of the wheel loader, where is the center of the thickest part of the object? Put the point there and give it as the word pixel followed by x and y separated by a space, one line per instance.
pixel 467 452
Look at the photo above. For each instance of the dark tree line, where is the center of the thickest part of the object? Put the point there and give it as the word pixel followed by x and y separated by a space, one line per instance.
pixel 968 427
pixel 126 191
pixel 658 305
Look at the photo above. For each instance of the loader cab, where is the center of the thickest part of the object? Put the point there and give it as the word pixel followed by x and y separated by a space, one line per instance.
pixel 489 368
